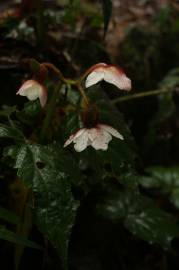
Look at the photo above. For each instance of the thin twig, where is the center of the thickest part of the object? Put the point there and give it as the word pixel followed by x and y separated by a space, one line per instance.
pixel 141 95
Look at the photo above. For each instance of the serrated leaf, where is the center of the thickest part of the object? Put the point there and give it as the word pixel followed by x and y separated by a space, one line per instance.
pixel 16 239
pixel 166 180
pixel 43 169
pixel 56 211
pixel 10 132
pixel 140 216
pixel 153 225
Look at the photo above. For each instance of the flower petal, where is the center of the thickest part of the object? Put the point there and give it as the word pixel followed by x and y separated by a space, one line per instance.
pixel 74 136
pixel 102 140
pixel 33 92
pixel 116 77
pixel 93 133
pixel 112 131
pixel 81 142
pixel 70 139
pixel 94 77
pixel 43 96
pixel 25 86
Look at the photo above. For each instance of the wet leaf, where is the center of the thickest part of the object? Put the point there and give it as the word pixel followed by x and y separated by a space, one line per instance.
pixel 43 169
pixel 166 180
pixel 10 132
pixel 140 216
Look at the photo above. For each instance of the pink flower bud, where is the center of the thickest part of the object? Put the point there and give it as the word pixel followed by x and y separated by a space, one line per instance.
pixel 109 73
pixel 32 90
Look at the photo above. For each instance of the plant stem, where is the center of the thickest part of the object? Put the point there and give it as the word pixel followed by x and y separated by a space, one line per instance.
pixel 50 111
pixel 69 82
pixel 55 70
pixel 141 95
pixel 83 94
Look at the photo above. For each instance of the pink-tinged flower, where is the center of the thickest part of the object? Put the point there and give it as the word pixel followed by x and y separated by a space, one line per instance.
pixel 98 137
pixel 109 73
pixel 33 90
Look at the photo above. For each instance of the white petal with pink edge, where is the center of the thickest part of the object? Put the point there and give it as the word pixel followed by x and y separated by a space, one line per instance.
pixel 94 77
pixel 118 78
pixel 101 142
pixel 109 73
pixel 98 137
pixel 112 131
pixel 33 90
pixel 81 142
pixel 74 136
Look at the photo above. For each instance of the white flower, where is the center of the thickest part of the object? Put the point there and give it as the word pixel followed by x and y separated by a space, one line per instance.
pixel 98 137
pixel 33 90
pixel 109 73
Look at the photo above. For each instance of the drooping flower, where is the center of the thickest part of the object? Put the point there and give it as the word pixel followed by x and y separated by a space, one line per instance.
pixel 109 73
pixel 98 137
pixel 32 89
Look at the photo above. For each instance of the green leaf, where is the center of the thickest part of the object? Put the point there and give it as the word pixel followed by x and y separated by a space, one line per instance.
pixel 166 180
pixel 56 211
pixel 107 11
pixel 45 170
pixel 153 225
pixel 24 228
pixel 140 216
pixel 16 239
pixel 10 132
pixel 29 114
pixel 7 110
pixel 9 216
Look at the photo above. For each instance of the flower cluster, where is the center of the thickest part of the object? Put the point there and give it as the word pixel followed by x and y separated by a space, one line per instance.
pixel 99 135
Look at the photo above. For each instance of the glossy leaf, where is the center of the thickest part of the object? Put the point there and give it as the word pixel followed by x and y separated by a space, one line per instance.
pixel 10 132
pixel 30 112
pixel 140 216
pixel 43 169
pixel 56 211
pixel 166 180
